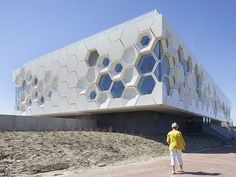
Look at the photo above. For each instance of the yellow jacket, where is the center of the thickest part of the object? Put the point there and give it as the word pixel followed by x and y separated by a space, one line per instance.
pixel 175 140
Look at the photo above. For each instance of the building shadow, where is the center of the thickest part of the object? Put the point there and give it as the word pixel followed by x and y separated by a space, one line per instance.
pixel 200 173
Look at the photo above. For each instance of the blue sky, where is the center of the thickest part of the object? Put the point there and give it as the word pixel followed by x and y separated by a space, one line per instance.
pixel 29 29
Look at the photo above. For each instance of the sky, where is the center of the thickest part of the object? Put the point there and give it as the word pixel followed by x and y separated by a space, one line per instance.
pixel 31 28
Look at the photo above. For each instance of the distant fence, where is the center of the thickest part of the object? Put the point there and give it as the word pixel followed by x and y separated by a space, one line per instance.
pixel 29 123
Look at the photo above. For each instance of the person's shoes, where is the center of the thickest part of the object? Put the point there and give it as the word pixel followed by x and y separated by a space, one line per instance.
pixel 173 173
pixel 180 170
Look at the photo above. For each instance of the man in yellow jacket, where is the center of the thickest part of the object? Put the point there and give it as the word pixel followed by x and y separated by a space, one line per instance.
pixel 176 145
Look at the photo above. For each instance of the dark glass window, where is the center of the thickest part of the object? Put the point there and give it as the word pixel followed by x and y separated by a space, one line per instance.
pixel 24 85
pixel 105 61
pixel 166 65
pixel 146 85
pixel 167 42
pixel 105 82
pixel 36 94
pixel 118 68
pixel 36 81
pixel 42 100
pixel 180 53
pixel 93 57
pixel 158 50
pixel 92 95
pixel 117 89
pixel 185 67
pixel 146 64
pixel 50 94
pixel 167 85
pixel 158 72
pixel 145 40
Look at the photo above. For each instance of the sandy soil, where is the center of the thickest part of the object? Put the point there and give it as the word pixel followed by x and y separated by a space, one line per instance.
pixel 29 153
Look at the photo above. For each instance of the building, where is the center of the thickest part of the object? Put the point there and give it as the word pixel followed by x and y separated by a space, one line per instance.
pixel 140 65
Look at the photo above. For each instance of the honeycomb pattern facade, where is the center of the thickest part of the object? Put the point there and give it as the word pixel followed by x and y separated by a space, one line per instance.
pixel 139 63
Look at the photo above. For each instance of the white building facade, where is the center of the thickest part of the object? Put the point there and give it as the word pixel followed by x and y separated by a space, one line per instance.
pixel 138 65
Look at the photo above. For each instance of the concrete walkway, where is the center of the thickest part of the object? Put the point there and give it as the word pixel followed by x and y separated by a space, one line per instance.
pixel 218 162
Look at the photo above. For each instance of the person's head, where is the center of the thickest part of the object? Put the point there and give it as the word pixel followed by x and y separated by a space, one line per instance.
pixel 174 126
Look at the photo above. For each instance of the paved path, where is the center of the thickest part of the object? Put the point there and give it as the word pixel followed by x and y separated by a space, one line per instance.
pixel 220 162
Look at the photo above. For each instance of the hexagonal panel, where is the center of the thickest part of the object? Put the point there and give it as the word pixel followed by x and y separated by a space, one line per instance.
pixel 55 83
pixel 81 69
pixel 146 64
pixel 117 89
pixel 156 26
pixel 63 89
pixel 91 75
pixel 72 96
pixel 130 56
pixel 145 41
pixel 48 92
pixel 115 69
pixel 82 85
pixel 105 82
pixel 158 50
pixel 92 58
pixel 118 68
pixel 158 72
pixel 72 80
pixel 185 67
pixel 115 35
pixel 35 80
pixel 92 92
pixel 146 85
pixel 116 50
pixel 180 53
pixel 165 65
pixel 130 76
pixel 28 89
pixel 41 100
pixel 22 96
pixel 103 100
pixel 130 96
pixel 48 77
pixel 103 62
pixel 71 63
pixel 63 74
pixel 28 76
pixel 103 45
pixel 24 84
pixel 167 85
pixel 168 40
pixel 28 102
pixel 129 36
pixel 190 65
pixel 22 72
pixel 18 81
pixel 41 86
pixel 35 93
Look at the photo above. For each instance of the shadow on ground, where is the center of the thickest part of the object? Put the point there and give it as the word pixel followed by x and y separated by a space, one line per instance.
pixel 200 173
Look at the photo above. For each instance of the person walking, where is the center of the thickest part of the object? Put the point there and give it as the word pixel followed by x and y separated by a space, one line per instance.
pixel 176 144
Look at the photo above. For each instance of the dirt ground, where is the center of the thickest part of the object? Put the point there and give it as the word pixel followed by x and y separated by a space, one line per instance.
pixel 30 153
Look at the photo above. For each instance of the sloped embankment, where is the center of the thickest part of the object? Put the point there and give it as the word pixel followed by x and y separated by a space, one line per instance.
pixel 36 152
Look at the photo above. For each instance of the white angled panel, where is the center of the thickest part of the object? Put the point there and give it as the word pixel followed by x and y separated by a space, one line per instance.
pixel 129 36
